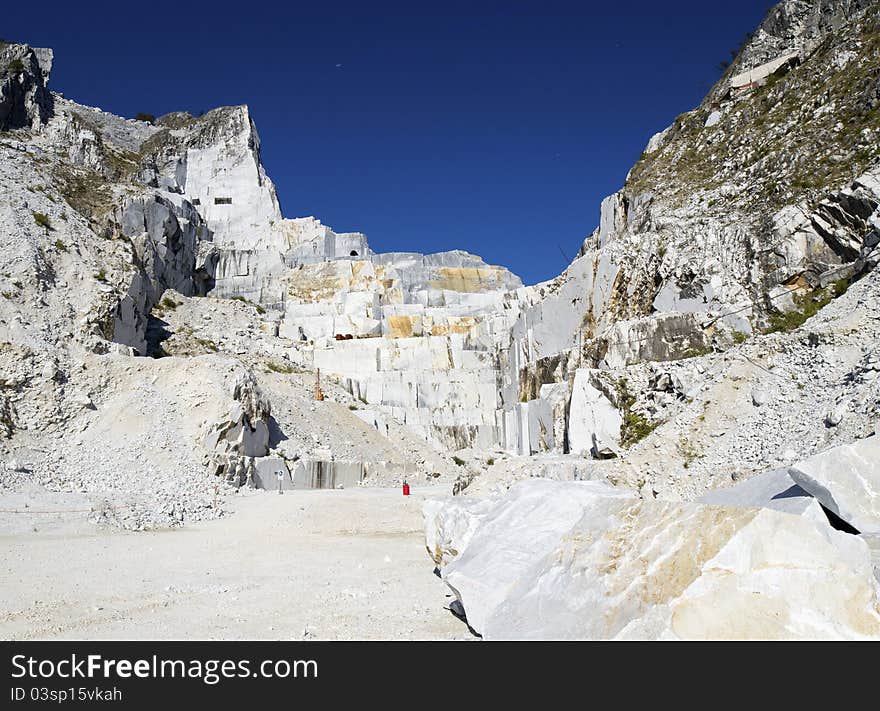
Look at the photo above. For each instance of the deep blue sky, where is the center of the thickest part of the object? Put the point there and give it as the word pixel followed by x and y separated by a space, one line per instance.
pixel 495 127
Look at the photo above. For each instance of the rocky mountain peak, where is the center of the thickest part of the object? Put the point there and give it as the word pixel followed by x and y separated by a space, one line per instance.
pixel 25 101
pixel 752 166
pixel 797 26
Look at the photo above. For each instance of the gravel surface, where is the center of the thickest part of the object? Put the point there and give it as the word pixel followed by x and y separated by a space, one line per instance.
pixel 306 565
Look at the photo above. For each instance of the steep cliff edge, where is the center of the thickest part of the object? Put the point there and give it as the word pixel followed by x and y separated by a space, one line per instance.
pixel 25 102
pixel 762 183
pixel 748 213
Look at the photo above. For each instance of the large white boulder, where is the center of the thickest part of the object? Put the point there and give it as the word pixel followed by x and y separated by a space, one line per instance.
pixel 528 521
pixel 573 561
pixel 770 490
pixel 846 480
pixel 449 525
pixel 593 423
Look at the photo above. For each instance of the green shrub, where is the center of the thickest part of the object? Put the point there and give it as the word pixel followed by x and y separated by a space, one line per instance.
pixel 101 275
pixel 60 246
pixel 16 66
pixel 42 220
pixel 147 118
pixel 625 399
pixel 280 367
pixel 840 287
pixel 696 351
pixel 490 461
pixel 635 427
pixel 688 452
pixel 207 344
pixel 806 306
pixel 458 460
pixel 740 337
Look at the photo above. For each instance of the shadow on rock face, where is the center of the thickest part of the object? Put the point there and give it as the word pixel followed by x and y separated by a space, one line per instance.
pixel 276 436
pixel 156 334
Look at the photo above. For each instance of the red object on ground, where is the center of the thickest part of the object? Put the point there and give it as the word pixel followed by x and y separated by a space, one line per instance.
pixel 405 489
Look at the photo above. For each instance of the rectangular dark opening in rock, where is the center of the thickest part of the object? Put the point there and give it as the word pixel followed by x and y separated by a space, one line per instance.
pixel 222 200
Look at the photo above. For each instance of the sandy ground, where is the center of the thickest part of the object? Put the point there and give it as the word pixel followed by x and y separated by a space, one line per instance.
pixel 347 564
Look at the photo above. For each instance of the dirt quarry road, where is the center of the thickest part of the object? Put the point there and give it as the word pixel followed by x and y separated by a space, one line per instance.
pixel 345 564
